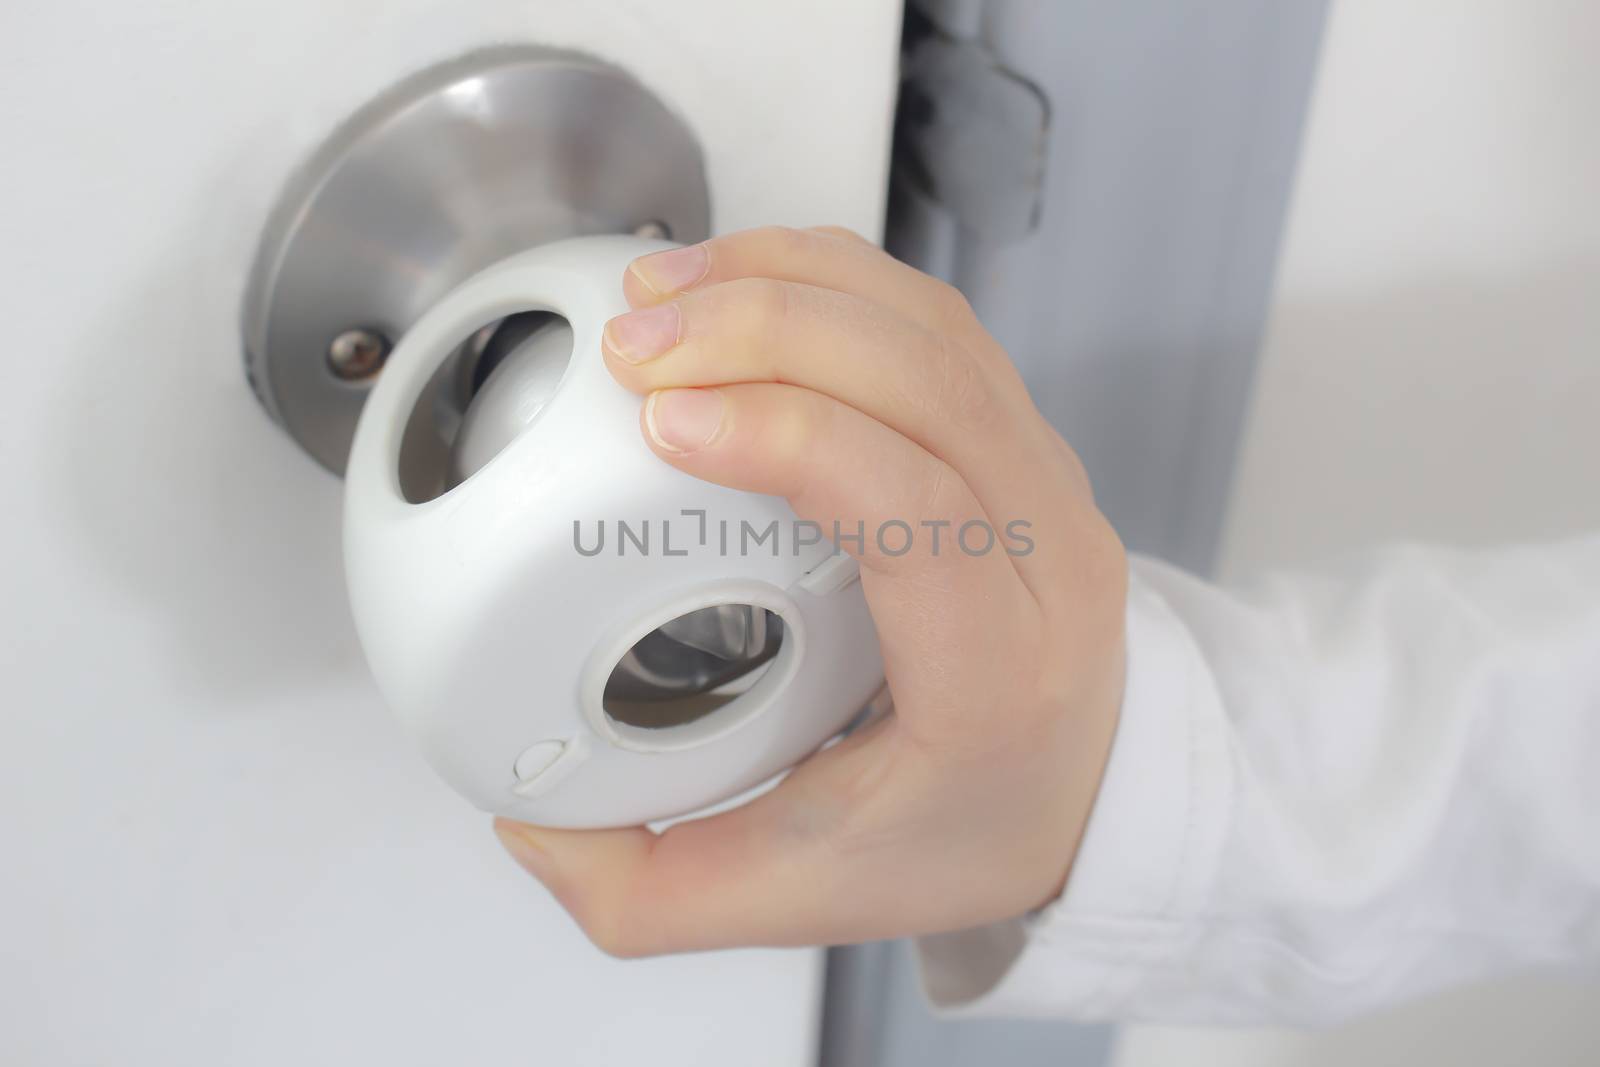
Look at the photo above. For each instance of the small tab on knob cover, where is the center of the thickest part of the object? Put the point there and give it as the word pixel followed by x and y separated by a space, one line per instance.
pixel 534 763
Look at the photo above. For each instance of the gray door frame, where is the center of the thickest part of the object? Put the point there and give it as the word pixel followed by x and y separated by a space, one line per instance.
pixel 1157 140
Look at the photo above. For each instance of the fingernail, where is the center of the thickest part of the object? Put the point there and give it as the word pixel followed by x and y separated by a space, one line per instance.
pixel 641 335
pixel 523 845
pixel 682 420
pixel 672 271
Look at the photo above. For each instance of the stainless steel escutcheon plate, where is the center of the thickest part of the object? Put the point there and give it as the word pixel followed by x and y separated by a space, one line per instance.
pixel 445 174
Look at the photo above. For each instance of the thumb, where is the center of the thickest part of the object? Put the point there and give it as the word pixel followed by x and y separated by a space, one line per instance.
pixel 582 869
pixel 770 872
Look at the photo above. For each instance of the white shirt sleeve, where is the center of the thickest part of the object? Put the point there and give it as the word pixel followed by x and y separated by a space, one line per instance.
pixel 1327 793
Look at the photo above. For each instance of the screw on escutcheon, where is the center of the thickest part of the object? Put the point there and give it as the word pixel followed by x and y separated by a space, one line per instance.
pixel 357 354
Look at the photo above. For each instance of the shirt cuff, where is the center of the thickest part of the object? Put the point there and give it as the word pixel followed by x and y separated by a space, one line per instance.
pixel 1148 856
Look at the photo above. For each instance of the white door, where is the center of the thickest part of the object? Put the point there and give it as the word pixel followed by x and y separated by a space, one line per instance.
pixel 215 846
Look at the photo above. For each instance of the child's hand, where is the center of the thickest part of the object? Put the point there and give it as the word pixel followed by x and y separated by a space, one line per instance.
pixel 809 364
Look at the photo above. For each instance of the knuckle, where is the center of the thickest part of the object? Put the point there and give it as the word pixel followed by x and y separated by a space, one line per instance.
pixel 962 395
pixel 756 304
pixel 785 240
pixel 774 301
pixel 739 320
pixel 788 441
pixel 766 305
pixel 843 232
pixel 953 307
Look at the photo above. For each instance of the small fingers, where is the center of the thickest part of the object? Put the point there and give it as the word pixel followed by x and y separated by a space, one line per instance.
pixel 824 257
pixel 938 576
pixel 922 383
pixel 844 233
pixel 926 386
pixel 836 466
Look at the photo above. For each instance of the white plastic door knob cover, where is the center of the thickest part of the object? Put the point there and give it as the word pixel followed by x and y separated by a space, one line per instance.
pixel 492 625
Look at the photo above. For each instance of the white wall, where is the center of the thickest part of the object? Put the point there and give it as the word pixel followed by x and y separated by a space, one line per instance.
pixel 214 845
pixel 1432 372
